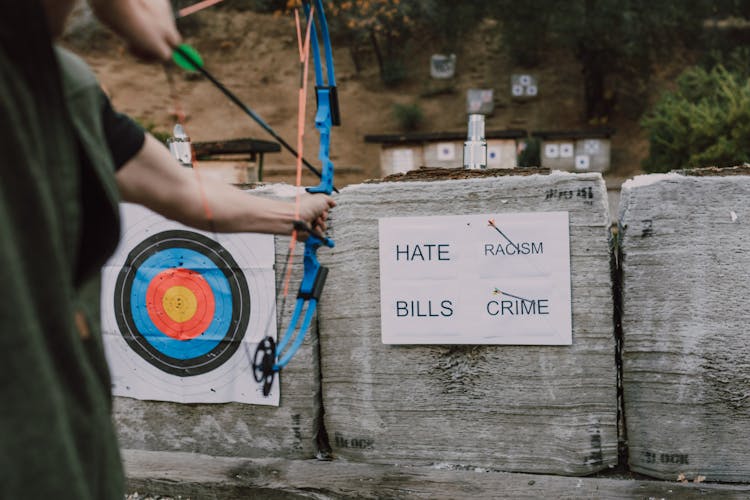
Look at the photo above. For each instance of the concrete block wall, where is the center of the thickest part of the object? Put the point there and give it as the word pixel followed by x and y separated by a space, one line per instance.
pixel 683 261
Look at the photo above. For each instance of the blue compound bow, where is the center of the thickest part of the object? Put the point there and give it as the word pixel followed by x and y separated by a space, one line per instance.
pixel 271 358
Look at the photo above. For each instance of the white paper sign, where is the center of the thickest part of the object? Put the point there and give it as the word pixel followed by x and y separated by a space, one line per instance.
pixel 403 160
pixel 184 310
pixel 476 279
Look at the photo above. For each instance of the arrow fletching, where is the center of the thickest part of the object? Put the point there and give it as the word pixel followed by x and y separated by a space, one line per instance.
pixel 187 58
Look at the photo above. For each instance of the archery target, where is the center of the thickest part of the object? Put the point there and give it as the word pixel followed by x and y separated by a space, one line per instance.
pixel 446 151
pixel 552 150
pixel 182 303
pixel 495 156
pixel 183 310
pixel 583 162
pixel 566 150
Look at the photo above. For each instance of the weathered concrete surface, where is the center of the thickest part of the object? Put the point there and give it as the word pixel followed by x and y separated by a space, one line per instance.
pixel 201 477
pixel 544 409
pixel 686 357
pixel 238 430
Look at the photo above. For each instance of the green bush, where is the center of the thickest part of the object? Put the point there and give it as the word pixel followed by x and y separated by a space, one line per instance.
pixel 394 73
pixel 408 116
pixel 704 122
pixel 150 127
pixel 530 155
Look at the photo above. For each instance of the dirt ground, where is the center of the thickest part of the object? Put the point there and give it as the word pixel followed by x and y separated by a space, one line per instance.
pixel 256 56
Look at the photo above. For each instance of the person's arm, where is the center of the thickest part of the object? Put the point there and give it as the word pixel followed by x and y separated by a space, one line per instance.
pixel 153 178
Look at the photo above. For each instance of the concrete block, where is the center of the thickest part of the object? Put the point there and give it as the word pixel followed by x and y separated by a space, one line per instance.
pixel 686 356
pixel 542 409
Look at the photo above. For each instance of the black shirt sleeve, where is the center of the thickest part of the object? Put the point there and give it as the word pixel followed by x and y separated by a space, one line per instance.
pixel 124 136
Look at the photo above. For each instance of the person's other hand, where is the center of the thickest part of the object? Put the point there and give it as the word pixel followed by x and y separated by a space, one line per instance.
pixel 148 26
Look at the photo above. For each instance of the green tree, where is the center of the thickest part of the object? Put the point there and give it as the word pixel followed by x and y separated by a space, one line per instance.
pixel 609 38
pixel 704 122
pixel 525 26
pixel 408 116
pixel 385 24
pixel 449 21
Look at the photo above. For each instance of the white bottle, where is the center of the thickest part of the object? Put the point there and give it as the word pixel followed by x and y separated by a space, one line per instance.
pixel 475 147
pixel 179 146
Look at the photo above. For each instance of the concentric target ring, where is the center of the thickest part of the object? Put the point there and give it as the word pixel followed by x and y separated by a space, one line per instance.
pixel 182 303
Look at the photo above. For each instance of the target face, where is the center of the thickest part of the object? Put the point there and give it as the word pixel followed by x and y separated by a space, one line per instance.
pixel 183 311
pixel 182 303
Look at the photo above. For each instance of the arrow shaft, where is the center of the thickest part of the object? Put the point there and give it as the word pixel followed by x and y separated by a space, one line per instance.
pixel 244 107
pixel 502 234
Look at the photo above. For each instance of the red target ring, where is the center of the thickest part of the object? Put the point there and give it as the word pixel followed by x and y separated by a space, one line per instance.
pixel 180 303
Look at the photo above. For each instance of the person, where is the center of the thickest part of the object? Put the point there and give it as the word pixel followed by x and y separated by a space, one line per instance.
pixel 59 193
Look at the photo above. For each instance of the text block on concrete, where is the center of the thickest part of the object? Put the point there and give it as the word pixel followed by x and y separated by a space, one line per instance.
pixel 476 279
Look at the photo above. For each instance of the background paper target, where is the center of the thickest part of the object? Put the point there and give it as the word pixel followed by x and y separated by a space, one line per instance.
pixel 182 312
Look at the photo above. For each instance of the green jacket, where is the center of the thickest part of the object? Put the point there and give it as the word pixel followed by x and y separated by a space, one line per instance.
pixel 59 223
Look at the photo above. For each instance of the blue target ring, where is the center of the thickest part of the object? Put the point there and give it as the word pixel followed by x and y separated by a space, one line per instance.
pixel 184 258
pixel 225 286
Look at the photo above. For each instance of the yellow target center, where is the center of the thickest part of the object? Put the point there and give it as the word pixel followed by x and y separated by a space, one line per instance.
pixel 180 304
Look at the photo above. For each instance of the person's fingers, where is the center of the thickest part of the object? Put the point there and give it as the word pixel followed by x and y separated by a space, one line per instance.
pixel 162 13
pixel 151 53
pixel 173 39
pixel 315 210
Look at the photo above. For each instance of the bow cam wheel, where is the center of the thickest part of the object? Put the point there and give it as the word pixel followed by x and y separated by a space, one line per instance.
pixel 263 363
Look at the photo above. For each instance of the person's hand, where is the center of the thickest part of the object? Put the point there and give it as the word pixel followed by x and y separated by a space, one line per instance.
pixel 148 26
pixel 314 208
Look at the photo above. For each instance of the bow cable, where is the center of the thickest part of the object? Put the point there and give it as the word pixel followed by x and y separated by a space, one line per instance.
pixel 286 273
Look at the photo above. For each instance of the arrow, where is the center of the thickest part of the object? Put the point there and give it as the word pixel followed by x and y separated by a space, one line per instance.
pixel 188 58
